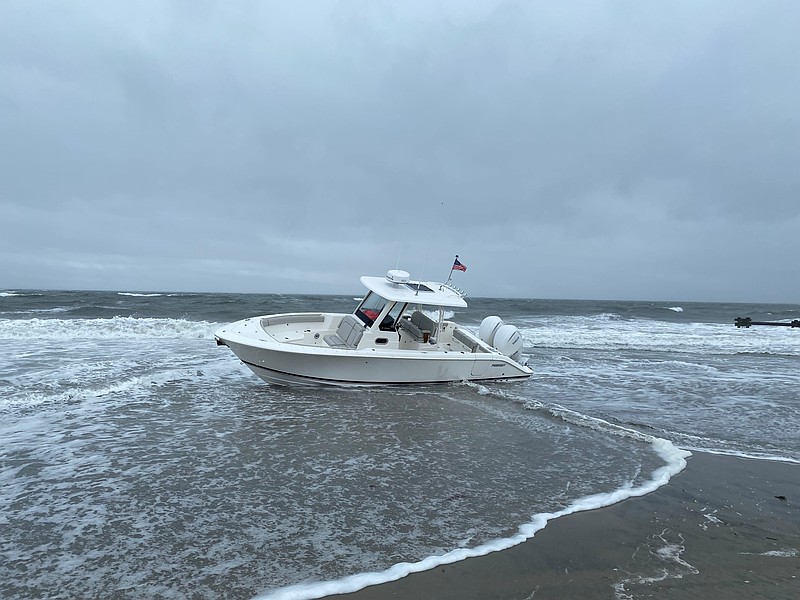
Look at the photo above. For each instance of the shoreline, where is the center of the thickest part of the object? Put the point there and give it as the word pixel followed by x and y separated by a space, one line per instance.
pixel 724 527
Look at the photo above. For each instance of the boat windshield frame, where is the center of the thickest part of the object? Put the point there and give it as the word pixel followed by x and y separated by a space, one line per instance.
pixel 370 308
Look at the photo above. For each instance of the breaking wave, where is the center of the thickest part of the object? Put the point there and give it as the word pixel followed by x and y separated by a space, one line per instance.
pixel 609 332
pixel 112 328
pixel 138 295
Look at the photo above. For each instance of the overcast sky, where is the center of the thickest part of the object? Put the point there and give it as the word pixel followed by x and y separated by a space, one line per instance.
pixel 603 150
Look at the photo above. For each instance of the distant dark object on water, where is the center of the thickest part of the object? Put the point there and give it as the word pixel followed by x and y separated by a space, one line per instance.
pixel 747 322
pixel 781 498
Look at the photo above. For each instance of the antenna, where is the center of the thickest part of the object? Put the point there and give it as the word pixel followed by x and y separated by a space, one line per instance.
pixel 422 273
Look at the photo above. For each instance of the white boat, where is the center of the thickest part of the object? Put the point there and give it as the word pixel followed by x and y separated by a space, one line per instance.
pixel 392 337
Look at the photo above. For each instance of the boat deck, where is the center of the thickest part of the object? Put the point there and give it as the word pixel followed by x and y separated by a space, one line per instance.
pixel 312 329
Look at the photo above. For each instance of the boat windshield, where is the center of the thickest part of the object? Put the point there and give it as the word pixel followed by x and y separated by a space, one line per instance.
pixel 370 307
pixel 390 320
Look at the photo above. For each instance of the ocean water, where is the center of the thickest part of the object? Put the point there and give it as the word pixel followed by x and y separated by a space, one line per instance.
pixel 140 460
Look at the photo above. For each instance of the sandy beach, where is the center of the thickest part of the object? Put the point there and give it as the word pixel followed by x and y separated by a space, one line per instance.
pixel 725 527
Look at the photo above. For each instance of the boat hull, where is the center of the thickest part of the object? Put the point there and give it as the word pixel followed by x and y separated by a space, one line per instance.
pixel 284 364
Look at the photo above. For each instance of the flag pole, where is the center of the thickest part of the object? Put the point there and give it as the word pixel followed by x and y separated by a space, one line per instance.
pixel 452 268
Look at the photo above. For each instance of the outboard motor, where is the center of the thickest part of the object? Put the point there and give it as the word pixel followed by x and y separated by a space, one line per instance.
pixel 488 329
pixel 505 338
pixel 509 341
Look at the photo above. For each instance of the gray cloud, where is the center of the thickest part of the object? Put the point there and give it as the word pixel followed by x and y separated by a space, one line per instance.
pixel 595 149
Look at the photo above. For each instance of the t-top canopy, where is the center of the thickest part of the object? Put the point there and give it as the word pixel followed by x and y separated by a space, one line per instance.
pixel 432 293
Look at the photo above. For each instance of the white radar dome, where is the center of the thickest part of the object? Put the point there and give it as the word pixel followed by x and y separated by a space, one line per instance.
pixel 488 329
pixel 508 341
pixel 397 276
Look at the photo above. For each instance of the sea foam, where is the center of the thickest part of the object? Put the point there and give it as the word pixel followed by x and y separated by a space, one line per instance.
pixel 113 328
pixel 601 332
pixel 138 294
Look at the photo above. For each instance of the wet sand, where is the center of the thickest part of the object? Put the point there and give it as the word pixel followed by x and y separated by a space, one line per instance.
pixel 724 528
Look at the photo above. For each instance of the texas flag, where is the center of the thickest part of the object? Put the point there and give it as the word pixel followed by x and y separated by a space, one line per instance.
pixel 457 266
